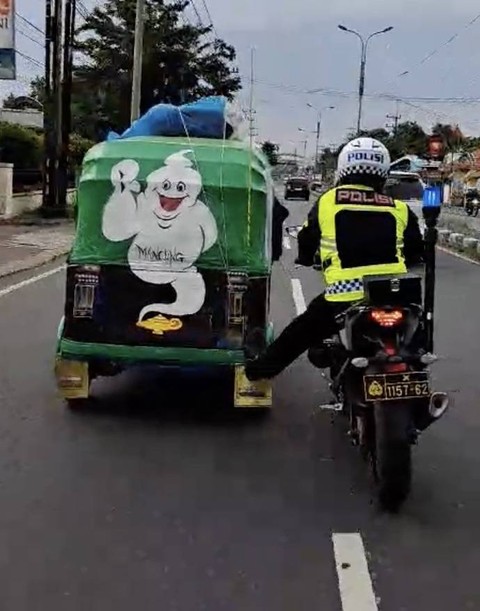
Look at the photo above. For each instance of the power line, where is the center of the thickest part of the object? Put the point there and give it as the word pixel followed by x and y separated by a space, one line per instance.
pixel 82 10
pixel 385 96
pixel 28 22
pixel 29 37
pixel 32 60
pixel 199 17
pixel 207 11
pixel 442 46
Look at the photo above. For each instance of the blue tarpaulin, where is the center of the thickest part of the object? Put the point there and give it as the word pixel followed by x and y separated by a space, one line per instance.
pixel 205 118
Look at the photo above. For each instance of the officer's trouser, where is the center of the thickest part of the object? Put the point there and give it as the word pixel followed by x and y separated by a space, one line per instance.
pixel 306 331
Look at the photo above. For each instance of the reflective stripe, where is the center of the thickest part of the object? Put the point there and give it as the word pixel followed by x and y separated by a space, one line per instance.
pixel 345 286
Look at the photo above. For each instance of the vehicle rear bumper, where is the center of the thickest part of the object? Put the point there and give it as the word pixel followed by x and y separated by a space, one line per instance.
pixel 85 351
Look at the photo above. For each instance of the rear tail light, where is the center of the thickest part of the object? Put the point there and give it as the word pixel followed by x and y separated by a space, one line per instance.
pixel 85 290
pixel 398 367
pixel 387 318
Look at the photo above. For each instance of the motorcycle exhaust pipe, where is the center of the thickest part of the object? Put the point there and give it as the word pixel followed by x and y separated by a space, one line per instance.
pixel 439 403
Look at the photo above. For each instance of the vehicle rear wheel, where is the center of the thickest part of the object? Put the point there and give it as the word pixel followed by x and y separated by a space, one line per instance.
pixel 78 405
pixel 393 454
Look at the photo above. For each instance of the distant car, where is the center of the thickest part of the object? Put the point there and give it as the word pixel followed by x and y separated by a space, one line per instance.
pixel 297 188
pixel 406 186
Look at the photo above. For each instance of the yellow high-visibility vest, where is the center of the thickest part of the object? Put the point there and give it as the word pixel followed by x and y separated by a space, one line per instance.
pixel 345 215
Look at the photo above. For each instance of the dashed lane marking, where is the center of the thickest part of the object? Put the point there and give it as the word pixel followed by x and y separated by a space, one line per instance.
pixel 355 584
pixel 32 280
pixel 298 296
pixel 286 242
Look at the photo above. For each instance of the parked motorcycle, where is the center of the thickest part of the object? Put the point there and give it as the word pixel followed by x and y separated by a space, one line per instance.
pixel 379 374
pixel 472 202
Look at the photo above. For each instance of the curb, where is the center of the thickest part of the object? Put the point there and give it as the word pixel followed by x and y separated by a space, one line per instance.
pixel 8 269
pixel 458 255
pixel 459 244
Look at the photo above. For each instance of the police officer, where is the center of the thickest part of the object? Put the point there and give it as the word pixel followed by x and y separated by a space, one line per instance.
pixel 354 230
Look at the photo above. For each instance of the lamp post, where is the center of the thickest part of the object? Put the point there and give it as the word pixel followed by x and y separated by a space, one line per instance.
pixel 305 144
pixel 319 126
pixel 363 63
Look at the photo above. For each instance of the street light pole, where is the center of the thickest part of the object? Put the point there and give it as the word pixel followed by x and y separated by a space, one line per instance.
pixel 137 61
pixel 363 63
pixel 319 126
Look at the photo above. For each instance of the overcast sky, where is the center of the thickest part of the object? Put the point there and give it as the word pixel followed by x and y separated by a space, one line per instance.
pixel 299 48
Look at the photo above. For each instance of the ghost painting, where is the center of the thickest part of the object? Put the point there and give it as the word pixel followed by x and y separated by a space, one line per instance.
pixel 169 225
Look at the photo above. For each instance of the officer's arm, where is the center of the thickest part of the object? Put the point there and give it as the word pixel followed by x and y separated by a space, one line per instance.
pixel 309 238
pixel 413 241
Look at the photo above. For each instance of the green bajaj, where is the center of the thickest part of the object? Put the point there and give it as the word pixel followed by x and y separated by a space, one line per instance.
pixel 171 262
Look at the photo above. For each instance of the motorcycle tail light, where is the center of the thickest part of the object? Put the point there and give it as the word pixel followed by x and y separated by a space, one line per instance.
pixel 396 367
pixel 387 318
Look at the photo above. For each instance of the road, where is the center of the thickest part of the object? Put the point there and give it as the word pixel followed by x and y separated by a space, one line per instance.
pixel 159 500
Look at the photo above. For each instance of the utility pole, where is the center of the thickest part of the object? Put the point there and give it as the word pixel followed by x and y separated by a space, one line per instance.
pixel 66 102
pixel 394 126
pixel 53 107
pixel 317 131
pixel 137 61
pixel 395 118
pixel 251 112
pixel 47 110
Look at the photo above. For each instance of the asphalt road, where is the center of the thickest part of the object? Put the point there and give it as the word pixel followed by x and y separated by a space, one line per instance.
pixel 159 500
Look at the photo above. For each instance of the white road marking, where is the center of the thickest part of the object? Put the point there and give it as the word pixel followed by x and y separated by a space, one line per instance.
pixel 32 280
pixel 286 242
pixel 356 590
pixel 298 296
pixel 458 255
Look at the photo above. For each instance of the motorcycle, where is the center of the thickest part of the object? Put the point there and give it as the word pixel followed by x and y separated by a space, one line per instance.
pixel 379 375
pixel 472 206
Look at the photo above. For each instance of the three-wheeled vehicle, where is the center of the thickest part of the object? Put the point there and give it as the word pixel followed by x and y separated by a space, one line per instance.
pixel 171 262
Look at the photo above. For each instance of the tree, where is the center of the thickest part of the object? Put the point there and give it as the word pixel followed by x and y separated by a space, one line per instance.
pixel 270 150
pixel 452 136
pixel 409 139
pixel 181 63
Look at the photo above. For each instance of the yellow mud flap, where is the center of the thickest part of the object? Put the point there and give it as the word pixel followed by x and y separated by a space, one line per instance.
pixel 72 378
pixel 251 394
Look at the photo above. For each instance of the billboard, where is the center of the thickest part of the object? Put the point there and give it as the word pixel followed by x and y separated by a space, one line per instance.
pixel 436 147
pixel 7 40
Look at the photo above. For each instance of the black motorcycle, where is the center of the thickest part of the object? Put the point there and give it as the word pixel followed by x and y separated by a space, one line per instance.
pixel 379 376
pixel 472 203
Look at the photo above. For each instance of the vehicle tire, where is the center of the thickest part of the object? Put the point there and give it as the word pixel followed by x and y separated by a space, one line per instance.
pixel 393 454
pixel 78 405
pixel 475 212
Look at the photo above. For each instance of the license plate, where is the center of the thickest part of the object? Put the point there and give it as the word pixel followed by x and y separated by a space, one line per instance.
pixel 394 386
pixel 251 394
pixel 72 378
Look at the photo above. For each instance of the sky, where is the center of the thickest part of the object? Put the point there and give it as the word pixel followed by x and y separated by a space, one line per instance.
pixel 298 48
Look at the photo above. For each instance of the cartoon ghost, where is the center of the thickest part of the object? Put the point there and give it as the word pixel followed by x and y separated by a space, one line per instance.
pixel 171 228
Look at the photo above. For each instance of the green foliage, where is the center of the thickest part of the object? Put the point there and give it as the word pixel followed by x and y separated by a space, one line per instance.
pixel 21 146
pixel 78 147
pixel 181 63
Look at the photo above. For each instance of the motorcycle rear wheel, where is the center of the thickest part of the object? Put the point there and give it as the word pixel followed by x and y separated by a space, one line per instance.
pixel 393 454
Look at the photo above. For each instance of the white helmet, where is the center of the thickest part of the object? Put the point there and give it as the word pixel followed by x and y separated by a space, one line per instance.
pixel 363 156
